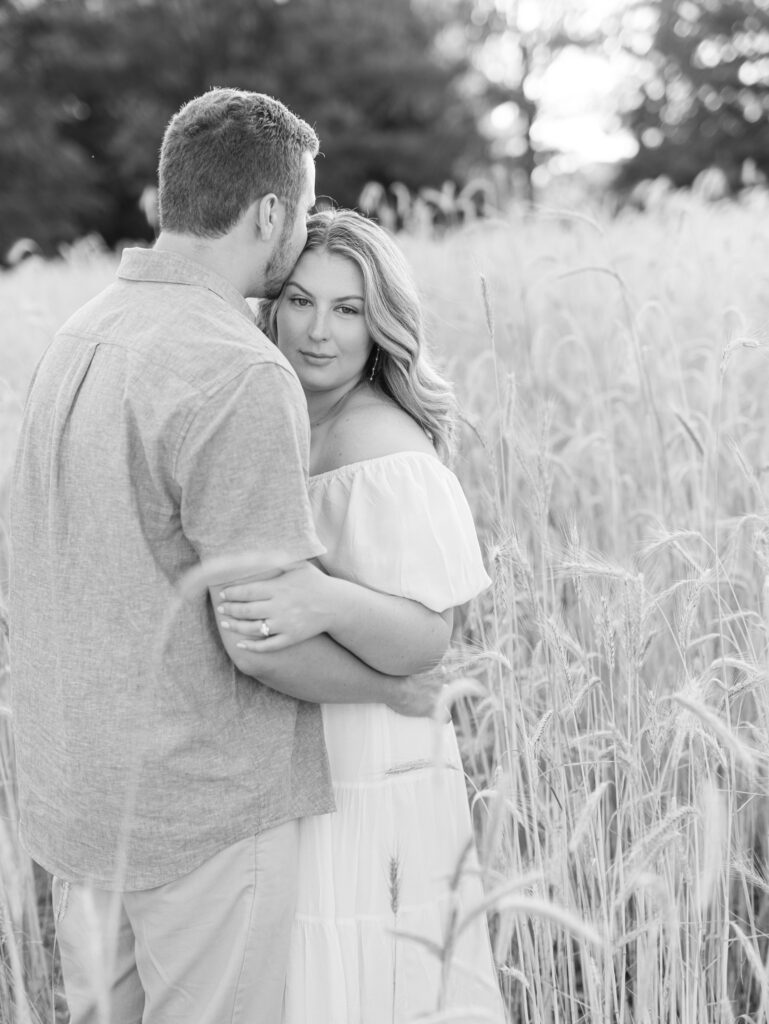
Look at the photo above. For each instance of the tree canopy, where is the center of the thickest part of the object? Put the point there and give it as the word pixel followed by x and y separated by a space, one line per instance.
pixel 396 89
pixel 87 87
pixel 705 99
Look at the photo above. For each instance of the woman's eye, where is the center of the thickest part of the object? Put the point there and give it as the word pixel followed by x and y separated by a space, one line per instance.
pixel 348 310
pixel 299 300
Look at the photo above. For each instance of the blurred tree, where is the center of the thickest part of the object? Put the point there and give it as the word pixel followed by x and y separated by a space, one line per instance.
pixel 49 187
pixel 704 97
pixel 88 86
pixel 514 42
pixel 387 103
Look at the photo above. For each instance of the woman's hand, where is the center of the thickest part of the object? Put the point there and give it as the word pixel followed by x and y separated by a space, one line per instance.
pixel 278 612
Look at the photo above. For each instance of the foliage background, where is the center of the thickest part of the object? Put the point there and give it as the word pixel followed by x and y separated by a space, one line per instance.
pixel 403 93
pixel 87 90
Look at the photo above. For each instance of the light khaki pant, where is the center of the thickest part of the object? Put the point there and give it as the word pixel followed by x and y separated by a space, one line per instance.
pixel 208 948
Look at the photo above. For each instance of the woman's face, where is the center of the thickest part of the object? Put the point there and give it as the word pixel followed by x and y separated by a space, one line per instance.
pixel 320 323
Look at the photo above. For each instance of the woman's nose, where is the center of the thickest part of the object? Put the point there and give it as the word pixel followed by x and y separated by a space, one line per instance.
pixel 319 327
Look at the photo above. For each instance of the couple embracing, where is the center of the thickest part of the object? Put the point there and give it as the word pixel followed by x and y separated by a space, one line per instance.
pixel 242 796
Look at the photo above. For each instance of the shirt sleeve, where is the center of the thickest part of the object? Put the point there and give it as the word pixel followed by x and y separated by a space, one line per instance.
pixel 402 525
pixel 242 470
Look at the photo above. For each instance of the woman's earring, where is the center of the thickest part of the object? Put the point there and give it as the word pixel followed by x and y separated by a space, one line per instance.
pixel 374 365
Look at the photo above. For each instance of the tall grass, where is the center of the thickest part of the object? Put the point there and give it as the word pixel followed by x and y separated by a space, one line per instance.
pixel 612 374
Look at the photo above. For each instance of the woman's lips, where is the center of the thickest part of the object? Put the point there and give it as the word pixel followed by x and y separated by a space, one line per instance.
pixel 315 357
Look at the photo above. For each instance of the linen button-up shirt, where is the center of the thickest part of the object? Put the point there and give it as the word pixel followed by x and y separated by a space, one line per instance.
pixel 161 430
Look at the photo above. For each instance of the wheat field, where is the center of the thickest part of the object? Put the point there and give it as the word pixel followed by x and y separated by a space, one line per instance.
pixel 611 687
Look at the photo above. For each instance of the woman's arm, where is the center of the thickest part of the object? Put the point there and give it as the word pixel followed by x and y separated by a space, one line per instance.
pixel 321 671
pixel 391 634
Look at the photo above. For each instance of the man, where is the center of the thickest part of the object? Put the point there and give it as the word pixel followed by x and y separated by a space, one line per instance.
pixel 158 783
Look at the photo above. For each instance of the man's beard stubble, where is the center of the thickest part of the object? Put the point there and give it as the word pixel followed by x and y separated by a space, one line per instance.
pixel 280 264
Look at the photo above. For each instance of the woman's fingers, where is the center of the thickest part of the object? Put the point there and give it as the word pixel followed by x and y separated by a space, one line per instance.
pixel 244 610
pixel 248 627
pixel 254 591
pixel 272 643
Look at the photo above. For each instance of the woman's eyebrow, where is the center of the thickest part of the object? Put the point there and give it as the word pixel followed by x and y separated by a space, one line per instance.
pixel 297 285
pixel 339 298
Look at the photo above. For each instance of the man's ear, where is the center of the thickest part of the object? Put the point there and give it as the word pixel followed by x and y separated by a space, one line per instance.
pixel 266 212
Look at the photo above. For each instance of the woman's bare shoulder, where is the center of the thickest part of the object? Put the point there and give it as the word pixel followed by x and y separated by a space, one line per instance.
pixel 371 427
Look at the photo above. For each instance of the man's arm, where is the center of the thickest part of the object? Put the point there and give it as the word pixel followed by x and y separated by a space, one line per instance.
pixel 320 671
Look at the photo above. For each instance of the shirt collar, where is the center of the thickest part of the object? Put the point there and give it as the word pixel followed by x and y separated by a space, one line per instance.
pixel 161 267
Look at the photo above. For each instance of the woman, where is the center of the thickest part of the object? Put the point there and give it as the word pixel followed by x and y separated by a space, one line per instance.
pixel 393 518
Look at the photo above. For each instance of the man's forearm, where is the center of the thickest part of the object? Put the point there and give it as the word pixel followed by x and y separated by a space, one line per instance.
pixel 320 671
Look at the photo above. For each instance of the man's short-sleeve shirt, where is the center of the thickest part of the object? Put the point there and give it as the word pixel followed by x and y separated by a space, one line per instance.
pixel 162 430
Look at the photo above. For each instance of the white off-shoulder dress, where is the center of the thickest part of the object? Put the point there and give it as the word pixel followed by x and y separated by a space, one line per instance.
pixel 382 863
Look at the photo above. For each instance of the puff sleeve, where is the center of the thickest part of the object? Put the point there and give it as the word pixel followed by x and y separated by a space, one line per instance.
pixel 400 524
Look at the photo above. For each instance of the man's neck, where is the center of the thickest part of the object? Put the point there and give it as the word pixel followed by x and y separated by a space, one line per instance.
pixel 201 250
pixel 215 254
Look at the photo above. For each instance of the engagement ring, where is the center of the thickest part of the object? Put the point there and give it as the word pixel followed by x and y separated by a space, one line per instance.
pixel 264 629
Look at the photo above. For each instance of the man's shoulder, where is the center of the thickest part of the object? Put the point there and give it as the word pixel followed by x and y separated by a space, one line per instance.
pixel 201 340
pixel 219 359
pixel 90 312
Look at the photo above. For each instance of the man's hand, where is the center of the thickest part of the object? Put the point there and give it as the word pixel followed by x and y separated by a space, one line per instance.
pixel 418 696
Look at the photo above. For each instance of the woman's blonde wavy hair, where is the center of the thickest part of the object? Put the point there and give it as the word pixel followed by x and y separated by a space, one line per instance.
pixel 398 365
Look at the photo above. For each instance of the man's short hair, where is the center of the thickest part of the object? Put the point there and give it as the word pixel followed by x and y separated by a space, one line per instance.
pixel 224 150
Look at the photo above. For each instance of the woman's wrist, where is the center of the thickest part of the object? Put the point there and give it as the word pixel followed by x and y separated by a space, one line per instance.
pixel 340 603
